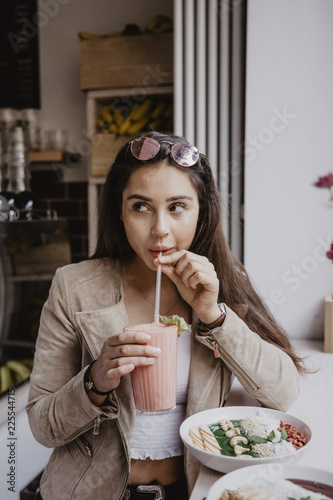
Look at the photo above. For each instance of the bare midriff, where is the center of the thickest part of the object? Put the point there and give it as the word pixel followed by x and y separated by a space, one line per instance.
pixel 162 472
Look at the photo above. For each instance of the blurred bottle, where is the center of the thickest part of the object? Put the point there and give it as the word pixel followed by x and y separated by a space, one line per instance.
pixel 8 117
pixel 31 123
pixel 18 191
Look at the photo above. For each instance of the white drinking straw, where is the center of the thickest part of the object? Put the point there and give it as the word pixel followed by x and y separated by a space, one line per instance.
pixel 158 292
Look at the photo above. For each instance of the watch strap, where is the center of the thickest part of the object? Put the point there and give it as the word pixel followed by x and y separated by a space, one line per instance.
pixel 205 328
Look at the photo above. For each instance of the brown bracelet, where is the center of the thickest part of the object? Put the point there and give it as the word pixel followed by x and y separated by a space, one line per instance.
pixel 205 328
pixel 89 384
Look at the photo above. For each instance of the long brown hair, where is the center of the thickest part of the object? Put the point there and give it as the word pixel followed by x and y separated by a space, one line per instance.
pixel 236 289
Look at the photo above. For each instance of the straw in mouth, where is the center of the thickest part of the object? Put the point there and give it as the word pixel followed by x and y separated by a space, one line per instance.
pixel 158 292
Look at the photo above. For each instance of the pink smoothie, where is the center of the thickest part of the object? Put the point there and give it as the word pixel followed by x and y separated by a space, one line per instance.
pixel 154 386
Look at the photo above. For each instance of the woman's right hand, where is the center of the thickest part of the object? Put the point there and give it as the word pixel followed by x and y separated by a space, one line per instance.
pixel 119 356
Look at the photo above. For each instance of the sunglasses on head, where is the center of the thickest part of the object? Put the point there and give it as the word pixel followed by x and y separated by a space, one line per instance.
pixel 146 148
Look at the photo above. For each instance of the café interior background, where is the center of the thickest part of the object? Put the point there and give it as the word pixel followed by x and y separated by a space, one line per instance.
pixel 289 73
pixel 288 137
pixel 62 102
pixel 289 70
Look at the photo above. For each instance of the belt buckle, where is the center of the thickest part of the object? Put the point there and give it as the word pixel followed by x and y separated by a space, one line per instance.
pixel 152 488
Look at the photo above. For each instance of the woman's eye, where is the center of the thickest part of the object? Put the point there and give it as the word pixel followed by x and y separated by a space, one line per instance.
pixel 140 207
pixel 177 208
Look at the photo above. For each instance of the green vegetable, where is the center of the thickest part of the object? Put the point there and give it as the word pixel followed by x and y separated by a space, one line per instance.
pixel 258 439
pixel 270 437
pixel 176 320
pixel 284 434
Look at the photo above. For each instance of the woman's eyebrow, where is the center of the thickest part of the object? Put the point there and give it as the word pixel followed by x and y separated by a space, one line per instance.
pixel 180 197
pixel 139 197
pixel 172 198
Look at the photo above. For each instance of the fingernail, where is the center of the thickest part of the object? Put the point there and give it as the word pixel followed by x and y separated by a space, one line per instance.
pixel 161 259
pixel 150 361
pixel 145 336
pixel 156 351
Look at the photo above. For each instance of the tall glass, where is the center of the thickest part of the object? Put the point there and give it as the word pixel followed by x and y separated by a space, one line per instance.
pixel 155 386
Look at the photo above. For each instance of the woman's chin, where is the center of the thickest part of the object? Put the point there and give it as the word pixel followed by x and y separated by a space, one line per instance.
pixel 146 264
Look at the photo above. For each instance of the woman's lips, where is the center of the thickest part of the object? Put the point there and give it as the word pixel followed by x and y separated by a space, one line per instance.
pixel 155 252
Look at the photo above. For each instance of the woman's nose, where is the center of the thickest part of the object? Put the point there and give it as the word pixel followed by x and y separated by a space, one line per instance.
pixel 160 227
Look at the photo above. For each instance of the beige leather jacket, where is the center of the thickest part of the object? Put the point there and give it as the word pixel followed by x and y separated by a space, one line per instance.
pixel 92 445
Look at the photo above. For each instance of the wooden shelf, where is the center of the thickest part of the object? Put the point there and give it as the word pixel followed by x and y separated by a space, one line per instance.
pixel 96 180
pixel 45 156
pixel 53 156
pixel 100 95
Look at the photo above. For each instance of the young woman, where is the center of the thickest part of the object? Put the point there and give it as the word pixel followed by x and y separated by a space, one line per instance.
pixel 159 196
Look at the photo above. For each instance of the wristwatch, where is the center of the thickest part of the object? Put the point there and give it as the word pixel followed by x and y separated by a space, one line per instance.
pixel 204 328
pixel 89 384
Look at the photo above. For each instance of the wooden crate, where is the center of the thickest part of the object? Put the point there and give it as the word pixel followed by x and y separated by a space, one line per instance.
pixel 328 334
pixel 126 61
pixel 104 149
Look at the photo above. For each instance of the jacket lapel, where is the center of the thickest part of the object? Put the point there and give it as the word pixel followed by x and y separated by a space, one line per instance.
pixel 96 326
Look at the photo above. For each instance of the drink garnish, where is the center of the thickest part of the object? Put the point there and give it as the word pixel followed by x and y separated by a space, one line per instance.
pixel 176 320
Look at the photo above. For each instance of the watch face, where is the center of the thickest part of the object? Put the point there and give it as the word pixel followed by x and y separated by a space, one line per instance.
pixel 88 385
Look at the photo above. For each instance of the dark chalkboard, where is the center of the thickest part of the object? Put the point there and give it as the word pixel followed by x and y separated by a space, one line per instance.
pixel 19 54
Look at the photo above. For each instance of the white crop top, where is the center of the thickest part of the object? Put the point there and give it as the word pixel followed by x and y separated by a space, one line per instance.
pixel 156 436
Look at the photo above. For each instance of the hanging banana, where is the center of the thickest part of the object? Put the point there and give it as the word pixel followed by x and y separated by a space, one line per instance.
pixel 138 126
pixel 141 110
pixel 6 379
pixel 158 110
pixel 20 371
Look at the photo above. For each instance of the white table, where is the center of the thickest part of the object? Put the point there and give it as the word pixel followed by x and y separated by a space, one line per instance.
pixel 314 405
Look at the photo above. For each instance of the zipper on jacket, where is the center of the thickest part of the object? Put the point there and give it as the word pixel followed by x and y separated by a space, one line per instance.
pixel 217 348
pixel 97 423
pixel 214 344
pixel 87 445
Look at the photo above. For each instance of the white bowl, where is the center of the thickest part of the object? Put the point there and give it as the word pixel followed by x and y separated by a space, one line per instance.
pixel 222 463
pixel 247 475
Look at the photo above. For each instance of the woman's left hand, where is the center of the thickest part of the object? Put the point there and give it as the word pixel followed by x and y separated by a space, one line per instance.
pixel 196 281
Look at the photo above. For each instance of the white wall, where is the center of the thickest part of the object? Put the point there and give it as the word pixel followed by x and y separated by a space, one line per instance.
pixel 62 102
pixel 288 228
pixel 21 460
pixel 21 457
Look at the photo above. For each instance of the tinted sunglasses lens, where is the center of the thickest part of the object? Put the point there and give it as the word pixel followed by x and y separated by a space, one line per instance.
pixel 185 154
pixel 144 148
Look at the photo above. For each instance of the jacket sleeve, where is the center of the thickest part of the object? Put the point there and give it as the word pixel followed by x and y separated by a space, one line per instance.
pixel 59 408
pixel 265 371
